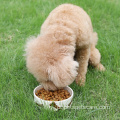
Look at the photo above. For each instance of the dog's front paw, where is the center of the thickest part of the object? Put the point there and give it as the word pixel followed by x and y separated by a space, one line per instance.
pixel 80 81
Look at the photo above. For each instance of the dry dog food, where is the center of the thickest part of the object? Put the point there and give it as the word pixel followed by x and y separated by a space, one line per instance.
pixel 57 95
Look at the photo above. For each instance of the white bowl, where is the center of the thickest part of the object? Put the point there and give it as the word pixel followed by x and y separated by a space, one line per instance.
pixel 55 105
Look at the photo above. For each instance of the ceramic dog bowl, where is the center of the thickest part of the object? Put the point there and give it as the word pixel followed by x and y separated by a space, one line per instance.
pixel 54 105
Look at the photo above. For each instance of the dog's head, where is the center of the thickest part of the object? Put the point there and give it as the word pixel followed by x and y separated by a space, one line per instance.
pixel 53 66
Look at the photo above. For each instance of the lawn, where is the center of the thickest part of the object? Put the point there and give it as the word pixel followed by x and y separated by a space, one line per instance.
pixel 20 19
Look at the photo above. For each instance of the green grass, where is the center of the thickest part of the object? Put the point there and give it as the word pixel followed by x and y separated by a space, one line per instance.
pixel 20 19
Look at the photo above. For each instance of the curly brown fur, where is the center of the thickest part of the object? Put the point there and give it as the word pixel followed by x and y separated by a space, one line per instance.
pixel 67 32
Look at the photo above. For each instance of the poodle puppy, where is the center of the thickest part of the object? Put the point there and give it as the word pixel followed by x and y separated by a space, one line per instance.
pixel 66 33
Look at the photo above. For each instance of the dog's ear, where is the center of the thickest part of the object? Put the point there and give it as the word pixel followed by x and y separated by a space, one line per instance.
pixel 64 73
pixel 95 38
pixel 52 74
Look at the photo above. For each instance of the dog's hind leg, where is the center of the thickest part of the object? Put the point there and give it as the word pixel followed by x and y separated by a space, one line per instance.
pixel 95 58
